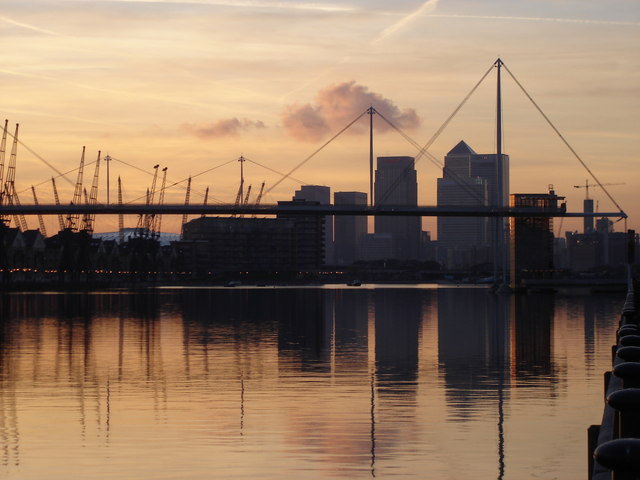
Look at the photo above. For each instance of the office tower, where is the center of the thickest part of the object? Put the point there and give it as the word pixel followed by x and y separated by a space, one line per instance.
pixel 322 195
pixel 496 172
pixel 224 244
pixel 349 230
pixel 462 240
pixel 531 238
pixel 588 221
pixel 471 179
pixel 396 184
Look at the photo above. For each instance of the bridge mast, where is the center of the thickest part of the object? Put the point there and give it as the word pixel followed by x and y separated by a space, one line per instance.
pixel 501 244
pixel 371 111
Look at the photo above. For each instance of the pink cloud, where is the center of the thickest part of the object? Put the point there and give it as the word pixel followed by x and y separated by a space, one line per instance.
pixel 336 106
pixel 227 127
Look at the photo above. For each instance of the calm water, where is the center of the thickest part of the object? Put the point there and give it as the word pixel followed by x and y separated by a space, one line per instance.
pixel 313 383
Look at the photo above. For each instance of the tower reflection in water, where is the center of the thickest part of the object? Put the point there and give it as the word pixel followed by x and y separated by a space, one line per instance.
pixel 334 381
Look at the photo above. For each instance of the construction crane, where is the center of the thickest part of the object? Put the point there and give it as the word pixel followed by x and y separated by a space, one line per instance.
pixel 43 230
pixel 186 203
pixel 148 219
pixel 259 198
pixel 3 149
pixel 246 197
pixel 145 220
pixel 120 216
pixel 588 185
pixel 19 219
pixel 72 218
pixel 239 194
pixel 142 217
pixel 10 194
pixel 57 199
pixel 89 219
pixel 157 221
pixel 245 202
pixel 206 199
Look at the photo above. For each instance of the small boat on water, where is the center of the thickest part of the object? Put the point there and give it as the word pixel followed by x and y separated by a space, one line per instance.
pixel 354 283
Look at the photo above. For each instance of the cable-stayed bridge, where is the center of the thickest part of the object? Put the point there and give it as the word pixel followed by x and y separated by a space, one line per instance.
pixel 270 209
pixel 11 206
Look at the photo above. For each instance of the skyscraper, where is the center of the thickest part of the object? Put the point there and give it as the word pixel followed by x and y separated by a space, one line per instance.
pixel 322 195
pixel 471 179
pixel 396 184
pixel 349 230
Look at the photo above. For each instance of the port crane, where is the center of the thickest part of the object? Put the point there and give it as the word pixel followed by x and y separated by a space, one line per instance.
pixel 43 230
pixel 72 218
pixel 57 200
pixel 185 217
pixel 156 224
pixel 120 216
pixel 88 219
pixel 10 196
pixel 206 199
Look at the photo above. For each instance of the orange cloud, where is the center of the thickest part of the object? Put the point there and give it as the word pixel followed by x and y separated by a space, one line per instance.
pixel 227 127
pixel 336 106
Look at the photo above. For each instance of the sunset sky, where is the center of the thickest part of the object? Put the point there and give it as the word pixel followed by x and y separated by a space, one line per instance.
pixel 192 85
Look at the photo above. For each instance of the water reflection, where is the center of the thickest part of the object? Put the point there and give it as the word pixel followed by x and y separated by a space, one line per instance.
pixel 318 383
pixel 473 339
pixel 533 332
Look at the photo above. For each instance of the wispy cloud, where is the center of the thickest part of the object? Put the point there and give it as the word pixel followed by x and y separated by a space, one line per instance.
pixel 29 27
pixel 322 7
pixel 426 8
pixel 227 127
pixel 539 19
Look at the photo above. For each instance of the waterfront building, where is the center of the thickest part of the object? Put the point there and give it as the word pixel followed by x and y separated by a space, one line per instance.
pixel 322 195
pixel 377 246
pixel 349 230
pixel 396 184
pixel 531 238
pixel 232 244
pixel 601 247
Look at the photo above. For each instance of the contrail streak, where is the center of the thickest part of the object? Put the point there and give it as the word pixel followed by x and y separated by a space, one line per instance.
pixel 425 9
pixel 29 27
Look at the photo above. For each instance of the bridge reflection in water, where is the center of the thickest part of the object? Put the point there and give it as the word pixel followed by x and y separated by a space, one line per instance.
pixel 312 382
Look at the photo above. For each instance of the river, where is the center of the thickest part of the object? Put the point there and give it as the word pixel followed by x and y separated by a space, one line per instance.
pixel 332 382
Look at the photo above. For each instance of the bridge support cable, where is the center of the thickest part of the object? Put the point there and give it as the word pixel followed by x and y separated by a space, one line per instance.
pixel 39 157
pixel 287 175
pixel 63 175
pixel 424 149
pixel 276 171
pixel 432 159
pixel 454 113
pixel 564 140
pixel 173 184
